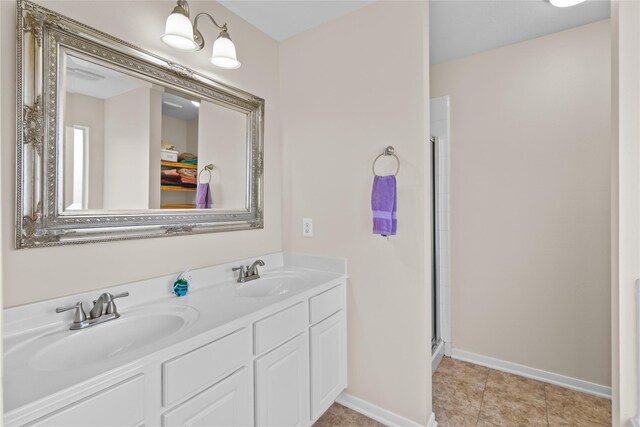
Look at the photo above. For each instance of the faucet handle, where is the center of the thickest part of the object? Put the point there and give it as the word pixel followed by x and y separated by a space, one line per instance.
pixel 111 306
pixel 123 294
pixel 79 316
pixel 242 273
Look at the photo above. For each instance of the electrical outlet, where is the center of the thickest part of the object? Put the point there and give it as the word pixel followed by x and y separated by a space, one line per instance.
pixel 307 227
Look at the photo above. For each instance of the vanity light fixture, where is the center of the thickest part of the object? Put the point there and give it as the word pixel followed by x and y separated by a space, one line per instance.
pixel 181 34
pixel 565 3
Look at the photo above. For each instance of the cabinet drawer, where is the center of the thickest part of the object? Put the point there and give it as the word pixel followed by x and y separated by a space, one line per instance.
pixel 279 327
pixel 228 403
pixel 325 304
pixel 203 366
pixel 122 404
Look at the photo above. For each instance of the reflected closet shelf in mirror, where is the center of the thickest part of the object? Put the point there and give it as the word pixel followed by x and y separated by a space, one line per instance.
pixel 178 206
pixel 175 188
pixel 178 165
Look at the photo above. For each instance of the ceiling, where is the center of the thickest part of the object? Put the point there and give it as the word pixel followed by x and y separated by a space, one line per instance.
pixel 458 28
pixel 94 80
pixel 283 19
pixel 91 79
pixel 179 107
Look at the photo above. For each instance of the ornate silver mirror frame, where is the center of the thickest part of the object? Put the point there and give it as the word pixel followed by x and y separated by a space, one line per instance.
pixel 42 35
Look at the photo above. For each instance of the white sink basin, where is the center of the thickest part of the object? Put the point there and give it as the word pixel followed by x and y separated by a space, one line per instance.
pixel 269 284
pixel 62 350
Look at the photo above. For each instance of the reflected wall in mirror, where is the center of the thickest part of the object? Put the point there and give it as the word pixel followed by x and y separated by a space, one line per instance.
pixel 130 144
pixel 117 143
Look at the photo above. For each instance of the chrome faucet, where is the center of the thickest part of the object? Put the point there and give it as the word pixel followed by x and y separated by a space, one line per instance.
pixel 104 309
pixel 253 269
pixel 249 272
pixel 105 306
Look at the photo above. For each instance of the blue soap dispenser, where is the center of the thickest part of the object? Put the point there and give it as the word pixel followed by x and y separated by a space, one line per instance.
pixel 181 285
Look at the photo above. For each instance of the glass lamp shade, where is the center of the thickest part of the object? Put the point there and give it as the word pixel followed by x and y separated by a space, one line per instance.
pixel 565 3
pixel 178 32
pixel 224 53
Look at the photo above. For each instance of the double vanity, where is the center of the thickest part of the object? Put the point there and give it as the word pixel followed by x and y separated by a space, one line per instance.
pixel 264 352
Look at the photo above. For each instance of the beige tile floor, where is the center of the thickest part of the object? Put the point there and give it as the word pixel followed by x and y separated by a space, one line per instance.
pixel 338 415
pixel 467 395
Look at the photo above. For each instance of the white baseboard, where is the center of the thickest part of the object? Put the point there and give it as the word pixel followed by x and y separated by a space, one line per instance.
pixel 437 356
pixel 447 348
pixel 533 373
pixel 432 421
pixel 379 414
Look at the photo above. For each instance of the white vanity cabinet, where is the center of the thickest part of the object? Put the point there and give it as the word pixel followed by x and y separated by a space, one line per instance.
pixel 328 349
pixel 199 368
pixel 218 374
pixel 282 385
pixel 328 363
pixel 227 403
pixel 282 366
pixel 121 404
pixel 281 346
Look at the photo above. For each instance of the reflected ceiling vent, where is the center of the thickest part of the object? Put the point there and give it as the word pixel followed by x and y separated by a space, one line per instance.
pixel 84 74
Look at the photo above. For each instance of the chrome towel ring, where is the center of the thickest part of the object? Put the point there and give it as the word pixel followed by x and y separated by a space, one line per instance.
pixel 388 151
pixel 208 170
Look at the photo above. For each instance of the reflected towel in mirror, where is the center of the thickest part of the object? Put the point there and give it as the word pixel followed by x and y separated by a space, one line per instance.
pixel 204 199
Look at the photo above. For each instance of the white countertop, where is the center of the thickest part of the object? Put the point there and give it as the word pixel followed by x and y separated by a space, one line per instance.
pixel 212 305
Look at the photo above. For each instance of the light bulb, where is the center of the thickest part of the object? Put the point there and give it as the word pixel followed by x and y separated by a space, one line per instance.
pixel 178 32
pixel 224 52
pixel 565 3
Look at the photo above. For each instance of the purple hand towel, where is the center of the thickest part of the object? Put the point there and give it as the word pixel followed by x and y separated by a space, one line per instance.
pixel 384 205
pixel 204 199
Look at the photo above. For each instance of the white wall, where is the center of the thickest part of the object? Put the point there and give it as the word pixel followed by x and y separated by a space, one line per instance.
pixel 87 111
pixel 174 132
pixel 222 135
pixel 347 92
pixel 192 136
pixel 3 47
pixel 530 201
pixel 155 137
pixel 37 274
pixel 625 224
pixel 127 140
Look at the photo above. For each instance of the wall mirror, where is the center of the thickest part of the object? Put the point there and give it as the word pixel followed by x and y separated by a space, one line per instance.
pixel 117 143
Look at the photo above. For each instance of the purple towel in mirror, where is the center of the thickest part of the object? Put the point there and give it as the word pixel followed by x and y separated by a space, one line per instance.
pixel 204 199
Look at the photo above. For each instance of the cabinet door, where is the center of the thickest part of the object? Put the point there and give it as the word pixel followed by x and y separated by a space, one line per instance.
pixel 282 385
pixel 328 363
pixel 227 403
